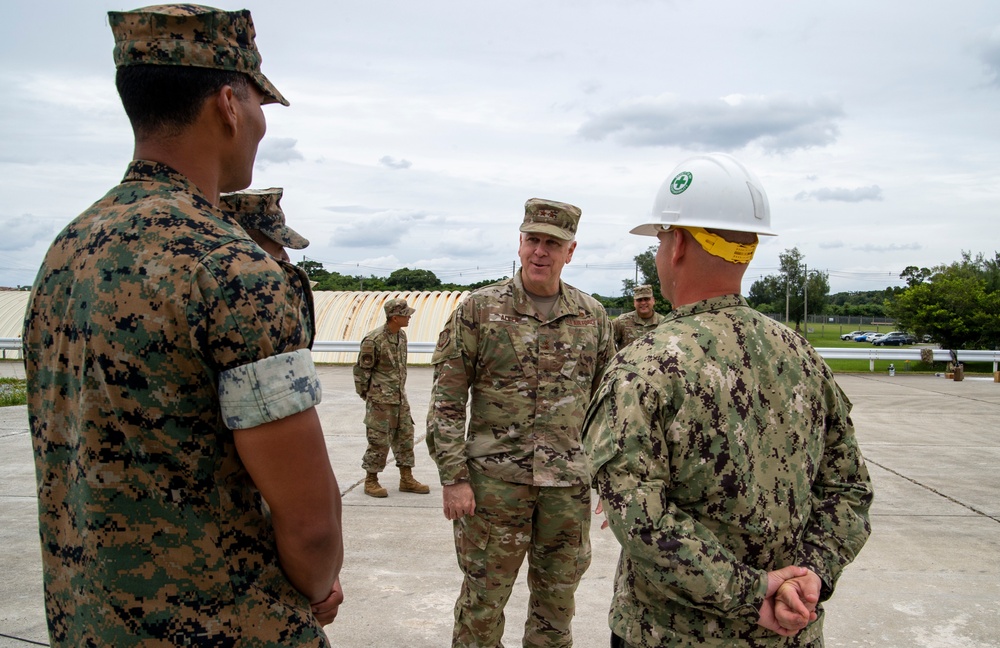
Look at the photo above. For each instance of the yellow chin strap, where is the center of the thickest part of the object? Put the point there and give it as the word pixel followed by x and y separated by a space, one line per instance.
pixel 720 247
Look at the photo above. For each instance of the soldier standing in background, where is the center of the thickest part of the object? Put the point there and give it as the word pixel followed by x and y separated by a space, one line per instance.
pixel 380 379
pixel 258 211
pixel 531 351
pixel 185 493
pixel 630 326
pixel 722 448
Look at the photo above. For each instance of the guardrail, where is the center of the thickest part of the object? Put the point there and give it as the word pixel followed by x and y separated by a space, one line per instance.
pixel 829 353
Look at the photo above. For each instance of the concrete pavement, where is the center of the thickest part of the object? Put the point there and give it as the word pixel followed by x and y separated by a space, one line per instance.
pixel 929 576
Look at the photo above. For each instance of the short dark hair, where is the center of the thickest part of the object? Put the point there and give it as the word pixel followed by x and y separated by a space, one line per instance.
pixel 166 98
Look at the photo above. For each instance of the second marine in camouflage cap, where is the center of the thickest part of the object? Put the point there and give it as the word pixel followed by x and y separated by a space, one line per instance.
pixel 398 307
pixel 644 290
pixel 550 217
pixel 259 209
pixel 193 36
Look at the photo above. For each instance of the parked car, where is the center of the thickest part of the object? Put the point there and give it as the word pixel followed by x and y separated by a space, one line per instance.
pixel 864 336
pixel 851 335
pixel 896 338
pixel 874 338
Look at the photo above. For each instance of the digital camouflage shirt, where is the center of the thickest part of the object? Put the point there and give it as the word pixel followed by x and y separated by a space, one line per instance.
pixel 722 449
pixel 380 371
pixel 530 380
pixel 629 327
pixel 155 328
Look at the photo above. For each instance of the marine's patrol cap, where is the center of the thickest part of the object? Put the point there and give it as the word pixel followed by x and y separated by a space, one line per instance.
pixel 644 290
pixel 193 36
pixel 398 307
pixel 550 217
pixel 259 209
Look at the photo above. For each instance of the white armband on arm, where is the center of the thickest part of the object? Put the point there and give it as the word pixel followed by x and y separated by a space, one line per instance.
pixel 269 389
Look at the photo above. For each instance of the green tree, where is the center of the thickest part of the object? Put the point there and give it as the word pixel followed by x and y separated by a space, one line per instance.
pixel 406 279
pixel 314 269
pixel 646 263
pixel 769 294
pixel 914 275
pixel 959 304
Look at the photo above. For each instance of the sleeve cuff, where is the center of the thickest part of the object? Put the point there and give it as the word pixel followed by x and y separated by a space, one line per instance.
pixel 269 390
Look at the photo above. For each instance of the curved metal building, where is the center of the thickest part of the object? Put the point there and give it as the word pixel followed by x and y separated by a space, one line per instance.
pixel 340 316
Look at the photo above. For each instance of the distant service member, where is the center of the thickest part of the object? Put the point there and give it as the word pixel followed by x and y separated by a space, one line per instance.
pixel 380 379
pixel 632 325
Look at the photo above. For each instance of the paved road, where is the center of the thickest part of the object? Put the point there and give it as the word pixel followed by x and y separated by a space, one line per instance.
pixel 928 578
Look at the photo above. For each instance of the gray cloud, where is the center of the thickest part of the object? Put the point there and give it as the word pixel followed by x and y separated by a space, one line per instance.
pixel 831 245
pixel 892 247
pixel 22 233
pixel 352 209
pixel 278 150
pixel 379 230
pixel 776 123
pixel 393 163
pixel 989 54
pixel 842 194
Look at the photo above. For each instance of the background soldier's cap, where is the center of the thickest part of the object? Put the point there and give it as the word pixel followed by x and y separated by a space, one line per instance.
pixel 398 307
pixel 259 209
pixel 644 290
pixel 193 36
pixel 550 217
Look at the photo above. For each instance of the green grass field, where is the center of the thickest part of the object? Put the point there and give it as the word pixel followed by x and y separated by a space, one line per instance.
pixel 828 335
pixel 12 392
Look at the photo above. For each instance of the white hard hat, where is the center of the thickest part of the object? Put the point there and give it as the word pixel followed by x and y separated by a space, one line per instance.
pixel 714 191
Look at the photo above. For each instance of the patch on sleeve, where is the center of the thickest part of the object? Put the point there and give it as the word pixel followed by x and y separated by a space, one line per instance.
pixel 366 357
pixel 269 390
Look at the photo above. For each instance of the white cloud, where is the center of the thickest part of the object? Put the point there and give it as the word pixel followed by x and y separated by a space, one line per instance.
pixel 278 150
pixel 392 163
pixel 841 194
pixel 775 123
pixel 24 232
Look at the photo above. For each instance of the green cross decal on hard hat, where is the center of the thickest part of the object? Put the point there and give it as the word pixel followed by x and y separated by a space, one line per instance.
pixel 680 182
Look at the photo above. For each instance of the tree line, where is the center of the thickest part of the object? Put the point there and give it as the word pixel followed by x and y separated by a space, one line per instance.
pixel 957 304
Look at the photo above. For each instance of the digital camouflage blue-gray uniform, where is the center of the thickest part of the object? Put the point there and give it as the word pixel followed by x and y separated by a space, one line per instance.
pixel 530 377
pixel 721 446
pixel 380 379
pixel 155 328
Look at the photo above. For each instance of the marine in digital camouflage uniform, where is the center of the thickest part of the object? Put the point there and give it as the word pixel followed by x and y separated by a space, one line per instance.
pixel 722 447
pixel 632 325
pixel 380 379
pixel 165 353
pixel 258 211
pixel 530 350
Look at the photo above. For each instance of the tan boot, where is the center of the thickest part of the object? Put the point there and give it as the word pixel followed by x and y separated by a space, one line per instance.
pixel 407 484
pixel 373 488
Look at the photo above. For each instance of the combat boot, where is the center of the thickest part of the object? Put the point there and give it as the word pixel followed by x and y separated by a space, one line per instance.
pixel 407 484
pixel 373 488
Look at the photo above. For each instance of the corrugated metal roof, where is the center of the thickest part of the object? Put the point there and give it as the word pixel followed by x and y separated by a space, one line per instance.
pixel 340 316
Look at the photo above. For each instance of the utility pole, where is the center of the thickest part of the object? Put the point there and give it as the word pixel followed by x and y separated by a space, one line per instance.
pixel 786 300
pixel 805 299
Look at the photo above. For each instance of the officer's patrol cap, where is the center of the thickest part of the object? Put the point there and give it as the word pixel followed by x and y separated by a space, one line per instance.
pixel 644 290
pixel 193 36
pixel 550 217
pixel 259 209
pixel 398 307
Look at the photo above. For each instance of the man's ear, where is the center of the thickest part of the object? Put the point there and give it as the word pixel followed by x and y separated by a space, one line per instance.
pixel 572 248
pixel 225 103
pixel 680 245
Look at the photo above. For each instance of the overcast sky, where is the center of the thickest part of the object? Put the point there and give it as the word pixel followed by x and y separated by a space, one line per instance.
pixel 418 128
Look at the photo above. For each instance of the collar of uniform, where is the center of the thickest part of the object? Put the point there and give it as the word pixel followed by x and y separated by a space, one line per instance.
pixel 712 304
pixel 522 303
pixel 149 171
